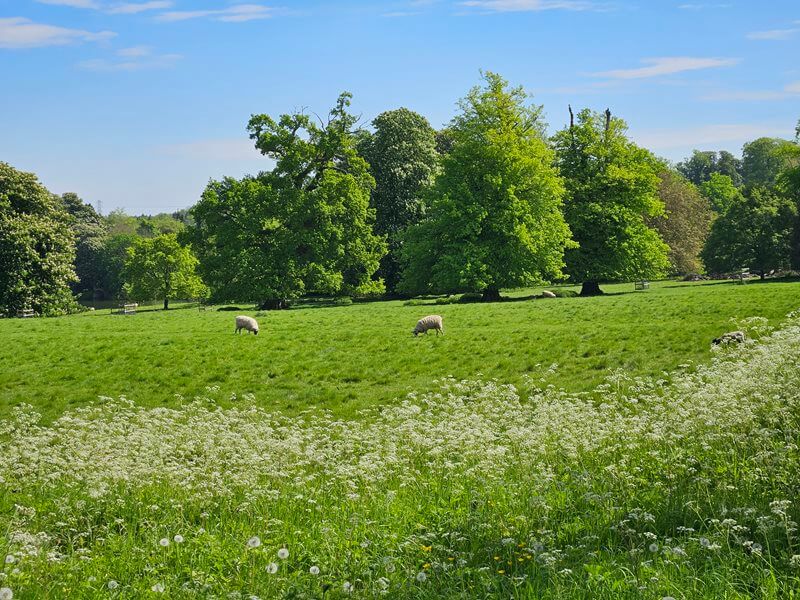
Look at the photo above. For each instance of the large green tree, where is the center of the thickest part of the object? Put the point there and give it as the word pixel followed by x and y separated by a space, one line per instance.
pixel 702 165
pixel 495 216
pixel 403 159
pixel 754 233
pixel 612 188
pixel 764 159
pixel 720 191
pixel 160 268
pixel 90 233
pixel 37 247
pixel 306 226
pixel 686 221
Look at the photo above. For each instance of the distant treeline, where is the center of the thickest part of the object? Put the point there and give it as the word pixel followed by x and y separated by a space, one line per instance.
pixel 488 202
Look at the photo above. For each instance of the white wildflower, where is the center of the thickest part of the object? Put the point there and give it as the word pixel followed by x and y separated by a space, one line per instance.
pixel 653 547
pixel 11 559
pixel 283 553
pixel 272 568
pixel 158 588
pixel 178 539
pixel 164 542
pixel 314 570
pixel 422 577
pixel 254 542
pixel 112 585
pixel 347 587
pixel 6 593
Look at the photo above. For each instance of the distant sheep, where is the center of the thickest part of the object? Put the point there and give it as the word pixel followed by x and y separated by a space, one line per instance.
pixel 548 294
pixel 246 323
pixel 732 336
pixel 429 322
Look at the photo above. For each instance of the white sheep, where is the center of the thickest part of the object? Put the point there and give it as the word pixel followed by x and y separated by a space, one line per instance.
pixel 548 294
pixel 732 336
pixel 429 322
pixel 246 323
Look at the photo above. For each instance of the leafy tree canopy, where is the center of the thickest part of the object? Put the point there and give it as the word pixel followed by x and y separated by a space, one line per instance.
pixel 701 166
pixel 764 159
pixel 495 209
pixel 754 233
pixel 403 159
pixel 37 247
pixel 160 268
pixel 685 223
pixel 720 192
pixel 304 227
pixel 612 187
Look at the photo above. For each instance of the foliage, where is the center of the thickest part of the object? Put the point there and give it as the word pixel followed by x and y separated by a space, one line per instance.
pixel 754 233
pixel 120 223
pixel 764 159
pixel 403 159
pixel 702 166
pixel 160 268
pixel 653 489
pixel 304 227
pixel 90 231
pixel 495 209
pixel 720 192
pixel 37 247
pixel 685 223
pixel 612 187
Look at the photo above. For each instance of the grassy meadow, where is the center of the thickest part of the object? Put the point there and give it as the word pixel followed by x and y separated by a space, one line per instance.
pixel 346 358
pixel 358 461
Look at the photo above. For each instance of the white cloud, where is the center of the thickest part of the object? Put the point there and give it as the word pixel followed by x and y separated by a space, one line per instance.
pixel 530 5
pixel 19 32
pixel 235 14
pixel 232 149
pixel 133 8
pixel 704 136
pixel 140 62
pixel 134 52
pixel 791 90
pixel 72 3
pixel 667 66
pixel 772 34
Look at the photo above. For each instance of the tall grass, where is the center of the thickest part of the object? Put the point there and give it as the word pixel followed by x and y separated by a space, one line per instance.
pixel 683 487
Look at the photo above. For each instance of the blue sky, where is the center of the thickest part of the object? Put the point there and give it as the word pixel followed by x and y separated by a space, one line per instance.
pixel 138 103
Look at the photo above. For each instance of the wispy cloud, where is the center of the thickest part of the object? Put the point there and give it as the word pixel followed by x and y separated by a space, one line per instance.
pixel 531 5
pixel 789 91
pixel 133 8
pixel 705 6
pixel 773 34
pixel 234 14
pixel 19 32
pixel 670 65
pixel 137 58
pixel 72 3
pixel 705 136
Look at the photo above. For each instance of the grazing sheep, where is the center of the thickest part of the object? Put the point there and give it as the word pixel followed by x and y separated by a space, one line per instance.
pixel 429 322
pixel 246 323
pixel 731 336
pixel 548 294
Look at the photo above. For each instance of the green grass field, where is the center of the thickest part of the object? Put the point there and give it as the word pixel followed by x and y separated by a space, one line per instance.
pixel 346 358
pixel 666 483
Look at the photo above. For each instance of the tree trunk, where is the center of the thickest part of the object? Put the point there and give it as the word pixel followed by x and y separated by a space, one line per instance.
pixel 275 304
pixel 591 288
pixel 166 303
pixel 763 275
pixel 491 295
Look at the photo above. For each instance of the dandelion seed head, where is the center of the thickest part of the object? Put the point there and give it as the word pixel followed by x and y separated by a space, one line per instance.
pixel 422 577
pixel 178 539
pixel 6 593
pixel 112 585
pixel 158 588
pixel 283 553
pixel 314 570
pixel 272 568
pixel 11 559
pixel 254 542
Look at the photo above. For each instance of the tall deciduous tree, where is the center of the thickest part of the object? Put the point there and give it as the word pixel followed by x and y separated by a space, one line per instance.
pixel 754 233
pixel 160 268
pixel 764 159
pixel 701 166
pixel 90 232
pixel 37 247
pixel 403 159
pixel 495 209
pixel 306 226
pixel 612 187
pixel 720 192
pixel 685 223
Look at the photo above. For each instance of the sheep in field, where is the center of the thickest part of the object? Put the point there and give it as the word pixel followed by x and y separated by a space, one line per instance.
pixel 429 322
pixel 246 323
pixel 548 294
pixel 732 336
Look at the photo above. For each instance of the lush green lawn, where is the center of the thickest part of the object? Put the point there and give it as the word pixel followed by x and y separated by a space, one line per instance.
pixel 349 357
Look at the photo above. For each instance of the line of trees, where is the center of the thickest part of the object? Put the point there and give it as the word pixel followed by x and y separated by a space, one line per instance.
pixel 488 202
